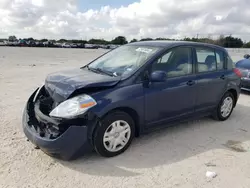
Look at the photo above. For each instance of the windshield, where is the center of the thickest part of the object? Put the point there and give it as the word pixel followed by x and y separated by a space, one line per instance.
pixel 123 60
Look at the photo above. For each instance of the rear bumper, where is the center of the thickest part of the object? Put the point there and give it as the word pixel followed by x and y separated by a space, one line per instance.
pixel 69 145
pixel 245 84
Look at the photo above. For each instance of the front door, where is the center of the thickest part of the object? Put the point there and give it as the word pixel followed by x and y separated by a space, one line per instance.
pixel 175 98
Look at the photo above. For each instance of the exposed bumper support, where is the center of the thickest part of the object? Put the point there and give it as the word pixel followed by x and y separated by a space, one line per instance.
pixel 69 145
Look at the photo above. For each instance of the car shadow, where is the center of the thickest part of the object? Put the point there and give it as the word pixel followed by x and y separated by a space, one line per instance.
pixel 168 145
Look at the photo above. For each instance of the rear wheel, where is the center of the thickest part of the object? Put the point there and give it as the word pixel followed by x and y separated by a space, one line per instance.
pixel 225 107
pixel 114 134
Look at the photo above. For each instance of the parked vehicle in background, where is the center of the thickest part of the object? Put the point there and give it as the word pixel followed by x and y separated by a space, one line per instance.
pixel 244 68
pixel 112 46
pixel 22 43
pixel 58 45
pixel 129 91
pixel 11 43
pixel 66 45
pixel 73 45
pixel 91 46
pixel 80 45
pixel 39 44
pixel 31 43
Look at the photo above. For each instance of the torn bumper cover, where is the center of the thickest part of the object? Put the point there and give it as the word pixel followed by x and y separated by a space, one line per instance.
pixel 70 143
pixel 245 83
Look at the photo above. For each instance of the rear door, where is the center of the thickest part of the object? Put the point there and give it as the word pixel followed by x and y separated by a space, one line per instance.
pixel 211 77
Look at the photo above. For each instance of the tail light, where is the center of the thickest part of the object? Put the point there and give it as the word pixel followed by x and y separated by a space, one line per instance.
pixel 237 72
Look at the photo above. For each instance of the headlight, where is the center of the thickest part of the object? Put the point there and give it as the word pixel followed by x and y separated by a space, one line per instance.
pixel 73 107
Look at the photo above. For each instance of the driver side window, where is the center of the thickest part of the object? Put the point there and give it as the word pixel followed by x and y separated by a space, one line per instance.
pixel 176 62
pixel 164 58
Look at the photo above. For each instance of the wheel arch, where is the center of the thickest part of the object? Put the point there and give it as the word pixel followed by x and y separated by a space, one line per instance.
pixel 235 94
pixel 132 113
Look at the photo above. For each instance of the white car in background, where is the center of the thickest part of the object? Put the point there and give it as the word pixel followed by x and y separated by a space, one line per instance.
pixel 73 45
pixel 66 45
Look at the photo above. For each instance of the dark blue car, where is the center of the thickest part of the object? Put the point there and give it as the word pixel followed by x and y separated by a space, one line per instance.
pixel 244 68
pixel 129 91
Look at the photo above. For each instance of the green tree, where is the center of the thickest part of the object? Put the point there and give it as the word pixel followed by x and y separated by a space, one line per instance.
pixel 246 45
pixel 30 39
pixel 120 40
pixel 79 41
pixel 163 39
pixel 12 38
pixel 98 41
pixel 146 39
pixel 62 40
pixel 133 40
pixel 232 42
pixel 44 40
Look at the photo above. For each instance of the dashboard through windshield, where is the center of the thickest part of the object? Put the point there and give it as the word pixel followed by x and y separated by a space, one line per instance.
pixel 123 60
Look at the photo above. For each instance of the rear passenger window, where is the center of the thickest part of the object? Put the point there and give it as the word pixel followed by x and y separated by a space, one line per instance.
pixel 206 60
pixel 230 63
pixel 219 59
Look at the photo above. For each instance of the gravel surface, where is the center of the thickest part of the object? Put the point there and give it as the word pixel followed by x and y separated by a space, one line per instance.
pixel 174 157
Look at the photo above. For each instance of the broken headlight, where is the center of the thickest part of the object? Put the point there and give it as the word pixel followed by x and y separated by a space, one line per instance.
pixel 73 107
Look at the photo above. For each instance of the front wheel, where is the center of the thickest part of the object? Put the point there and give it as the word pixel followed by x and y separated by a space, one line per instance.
pixel 225 107
pixel 114 134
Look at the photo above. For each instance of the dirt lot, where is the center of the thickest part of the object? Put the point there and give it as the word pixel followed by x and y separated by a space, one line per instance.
pixel 173 157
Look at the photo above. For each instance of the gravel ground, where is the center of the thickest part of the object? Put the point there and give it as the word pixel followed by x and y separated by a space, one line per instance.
pixel 172 157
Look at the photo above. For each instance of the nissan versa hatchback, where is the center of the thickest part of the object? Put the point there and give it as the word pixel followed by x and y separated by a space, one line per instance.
pixel 129 91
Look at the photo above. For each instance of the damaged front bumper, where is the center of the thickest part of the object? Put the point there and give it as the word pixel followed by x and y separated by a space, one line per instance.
pixel 73 141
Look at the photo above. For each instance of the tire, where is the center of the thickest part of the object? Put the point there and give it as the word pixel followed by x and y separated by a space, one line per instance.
pixel 218 115
pixel 121 135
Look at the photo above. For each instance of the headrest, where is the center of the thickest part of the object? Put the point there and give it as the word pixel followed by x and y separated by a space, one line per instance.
pixel 210 60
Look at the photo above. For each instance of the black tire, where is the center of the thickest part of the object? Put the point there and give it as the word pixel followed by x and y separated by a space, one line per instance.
pixel 217 113
pixel 104 125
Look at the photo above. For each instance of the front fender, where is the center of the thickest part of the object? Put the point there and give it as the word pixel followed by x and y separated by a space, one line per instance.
pixel 128 96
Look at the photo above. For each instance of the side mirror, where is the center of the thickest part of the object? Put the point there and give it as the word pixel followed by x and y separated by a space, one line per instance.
pixel 158 76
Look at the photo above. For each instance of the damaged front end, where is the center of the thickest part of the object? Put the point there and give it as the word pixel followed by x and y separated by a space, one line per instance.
pixel 58 137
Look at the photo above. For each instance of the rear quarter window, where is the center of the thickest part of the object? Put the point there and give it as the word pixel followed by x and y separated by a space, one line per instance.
pixel 220 60
pixel 230 63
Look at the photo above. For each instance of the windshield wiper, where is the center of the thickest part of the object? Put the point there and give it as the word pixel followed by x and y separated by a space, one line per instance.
pixel 99 70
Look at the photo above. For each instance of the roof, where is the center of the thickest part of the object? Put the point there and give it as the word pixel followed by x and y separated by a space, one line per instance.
pixel 170 43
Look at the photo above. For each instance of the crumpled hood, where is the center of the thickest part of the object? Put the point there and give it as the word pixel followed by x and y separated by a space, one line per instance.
pixel 61 85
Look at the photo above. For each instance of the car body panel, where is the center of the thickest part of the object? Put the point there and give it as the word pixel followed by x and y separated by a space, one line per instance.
pixel 210 87
pixel 62 85
pixel 130 97
pixel 169 100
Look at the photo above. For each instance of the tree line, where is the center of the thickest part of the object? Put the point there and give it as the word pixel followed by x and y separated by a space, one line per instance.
pixel 224 41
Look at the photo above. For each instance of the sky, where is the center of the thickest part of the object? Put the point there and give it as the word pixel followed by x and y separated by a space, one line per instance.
pixel 106 19
pixel 84 5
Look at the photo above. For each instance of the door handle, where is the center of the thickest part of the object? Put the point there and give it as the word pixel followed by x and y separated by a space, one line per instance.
pixel 190 82
pixel 222 77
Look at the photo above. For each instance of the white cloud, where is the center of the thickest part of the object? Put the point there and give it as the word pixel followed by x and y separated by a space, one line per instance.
pixel 147 18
